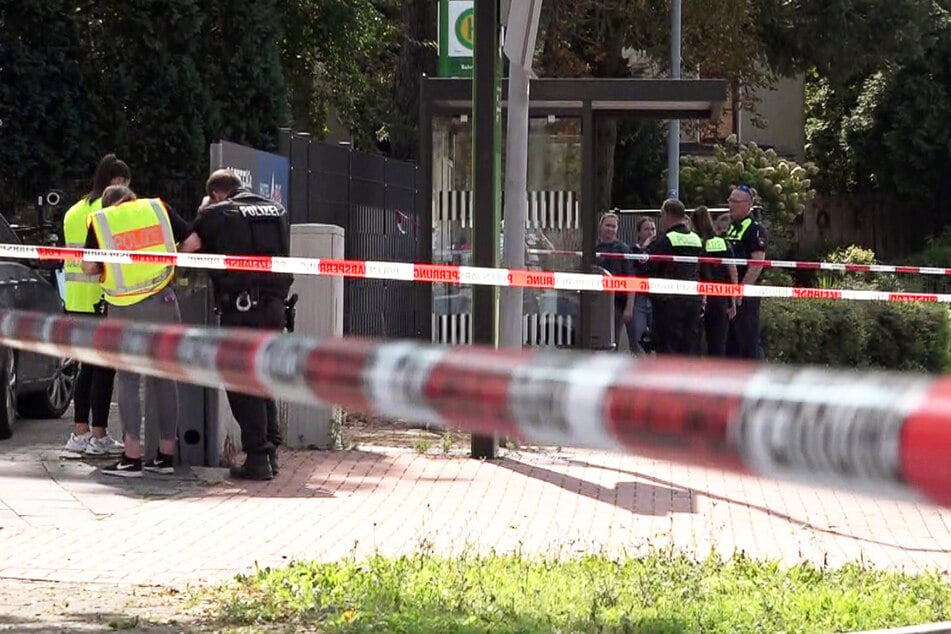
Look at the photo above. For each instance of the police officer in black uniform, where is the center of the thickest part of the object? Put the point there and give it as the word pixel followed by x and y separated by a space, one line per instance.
pixel 234 221
pixel 749 240
pixel 676 317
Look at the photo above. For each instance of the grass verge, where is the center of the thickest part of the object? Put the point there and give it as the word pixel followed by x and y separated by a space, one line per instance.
pixel 662 592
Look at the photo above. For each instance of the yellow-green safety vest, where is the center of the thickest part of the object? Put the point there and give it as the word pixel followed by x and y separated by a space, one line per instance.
pixel 715 245
pixel 137 225
pixel 735 234
pixel 684 240
pixel 83 291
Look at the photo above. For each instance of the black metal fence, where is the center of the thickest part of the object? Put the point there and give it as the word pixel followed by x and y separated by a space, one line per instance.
pixel 374 199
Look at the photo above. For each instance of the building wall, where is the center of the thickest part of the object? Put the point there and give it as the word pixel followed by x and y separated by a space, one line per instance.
pixel 783 108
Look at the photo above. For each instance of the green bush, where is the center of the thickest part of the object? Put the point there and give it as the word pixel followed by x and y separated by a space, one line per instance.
pixel 855 254
pixel 893 336
pixel 937 251
pixel 783 187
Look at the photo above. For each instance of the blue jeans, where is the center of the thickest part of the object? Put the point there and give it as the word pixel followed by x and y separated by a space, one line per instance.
pixel 642 320
pixel 635 328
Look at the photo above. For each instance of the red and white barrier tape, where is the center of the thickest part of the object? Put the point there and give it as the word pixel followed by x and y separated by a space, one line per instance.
pixel 883 433
pixel 781 264
pixel 449 274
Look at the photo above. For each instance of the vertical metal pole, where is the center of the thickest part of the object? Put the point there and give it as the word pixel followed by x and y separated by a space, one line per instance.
pixel 589 220
pixel 485 221
pixel 516 203
pixel 424 211
pixel 284 141
pixel 673 131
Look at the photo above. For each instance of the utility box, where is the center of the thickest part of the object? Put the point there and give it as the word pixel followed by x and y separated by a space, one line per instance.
pixel 319 313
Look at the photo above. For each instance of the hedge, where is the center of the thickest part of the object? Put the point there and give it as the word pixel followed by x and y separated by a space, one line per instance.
pixel 895 336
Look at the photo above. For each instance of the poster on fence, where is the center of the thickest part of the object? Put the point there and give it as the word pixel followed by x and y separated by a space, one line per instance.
pixel 263 173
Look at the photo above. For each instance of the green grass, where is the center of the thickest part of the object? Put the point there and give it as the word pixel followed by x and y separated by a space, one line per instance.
pixel 663 592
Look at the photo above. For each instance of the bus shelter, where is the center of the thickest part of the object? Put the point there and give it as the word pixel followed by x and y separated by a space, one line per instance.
pixel 562 162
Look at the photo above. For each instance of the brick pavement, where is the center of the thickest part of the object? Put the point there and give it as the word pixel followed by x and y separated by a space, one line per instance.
pixel 328 505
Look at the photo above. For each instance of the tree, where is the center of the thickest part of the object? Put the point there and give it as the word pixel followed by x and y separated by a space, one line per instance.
pixel 417 54
pixel 339 58
pixel 44 107
pixel 640 161
pixel 886 132
pixel 241 64
pixel 587 37
pixel 842 39
pixel 152 101
pixel 783 187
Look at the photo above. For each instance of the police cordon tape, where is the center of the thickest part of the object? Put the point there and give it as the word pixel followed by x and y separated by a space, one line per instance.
pixel 886 434
pixel 450 274
pixel 780 264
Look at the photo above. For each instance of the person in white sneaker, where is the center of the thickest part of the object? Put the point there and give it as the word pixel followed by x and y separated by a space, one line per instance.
pixel 83 296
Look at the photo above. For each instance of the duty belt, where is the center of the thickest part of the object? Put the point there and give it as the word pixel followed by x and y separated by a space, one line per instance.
pixel 242 301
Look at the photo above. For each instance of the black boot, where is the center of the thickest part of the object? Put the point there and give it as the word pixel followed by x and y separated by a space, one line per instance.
pixel 256 467
pixel 272 458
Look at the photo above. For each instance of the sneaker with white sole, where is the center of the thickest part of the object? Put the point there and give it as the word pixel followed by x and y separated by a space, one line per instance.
pixel 161 463
pixel 78 442
pixel 105 446
pixel 125 468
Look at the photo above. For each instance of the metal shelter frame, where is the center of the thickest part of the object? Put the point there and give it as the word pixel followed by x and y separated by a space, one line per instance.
pixel 586 98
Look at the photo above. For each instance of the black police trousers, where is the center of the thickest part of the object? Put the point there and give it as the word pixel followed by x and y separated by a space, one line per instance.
pixel 716 323
pixel 93 392
pixel 676 324
pixel 256 416
pixel 744 340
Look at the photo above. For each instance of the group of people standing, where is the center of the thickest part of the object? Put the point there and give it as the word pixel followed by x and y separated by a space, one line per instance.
pixel 229 221
pixel 729 324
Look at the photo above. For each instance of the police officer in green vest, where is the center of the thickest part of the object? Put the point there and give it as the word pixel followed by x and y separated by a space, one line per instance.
pixel 718 309
pixel 676 317
pixel 93 392
pixel 749 240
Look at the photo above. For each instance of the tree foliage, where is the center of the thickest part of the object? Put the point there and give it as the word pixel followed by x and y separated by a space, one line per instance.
pixel 155 81
pixel 151 98
pixel 886 131
pixel 783 187
pixel 842 39
pixel 339 56
pixel 44 110
pixel 240 62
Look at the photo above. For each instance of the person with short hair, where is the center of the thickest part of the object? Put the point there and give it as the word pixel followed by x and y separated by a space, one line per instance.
pixel 619 266
pixel 235 221
pixel 749 240
pixel 676 317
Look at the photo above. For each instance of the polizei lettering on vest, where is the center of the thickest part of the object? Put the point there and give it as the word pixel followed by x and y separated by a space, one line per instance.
pixel 261 211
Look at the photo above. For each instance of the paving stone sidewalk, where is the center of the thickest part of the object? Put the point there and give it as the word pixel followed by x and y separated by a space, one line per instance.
pixel 194 528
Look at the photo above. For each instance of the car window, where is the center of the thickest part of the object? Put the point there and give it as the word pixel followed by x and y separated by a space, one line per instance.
pixel 7 235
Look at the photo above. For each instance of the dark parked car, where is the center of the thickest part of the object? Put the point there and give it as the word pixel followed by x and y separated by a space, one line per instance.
pixel 32 385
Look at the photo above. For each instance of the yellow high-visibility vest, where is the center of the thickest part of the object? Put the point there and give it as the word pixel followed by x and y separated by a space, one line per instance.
pixel 688 240
pixel 137 225
pixel 83 291
pixel 736 232
pixel 715 244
